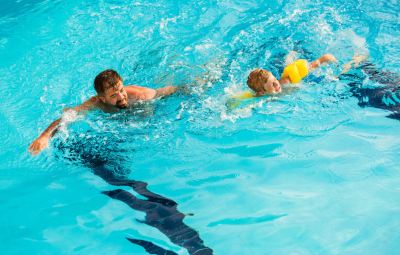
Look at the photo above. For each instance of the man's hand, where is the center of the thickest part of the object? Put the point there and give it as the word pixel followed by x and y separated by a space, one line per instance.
pixel 43 140
pixel 170 90
pixel 166 91
pixel 39 144
pixel 185 89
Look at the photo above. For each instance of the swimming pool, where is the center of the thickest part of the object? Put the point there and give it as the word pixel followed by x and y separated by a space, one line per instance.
pixel 309 172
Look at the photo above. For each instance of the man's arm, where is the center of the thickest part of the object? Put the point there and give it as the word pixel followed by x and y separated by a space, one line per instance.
pixel 143 93
pixel 42 141
pixel 166 91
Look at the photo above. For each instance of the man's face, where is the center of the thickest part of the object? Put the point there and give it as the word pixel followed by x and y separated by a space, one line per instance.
pixel 271 86
pixel 116 96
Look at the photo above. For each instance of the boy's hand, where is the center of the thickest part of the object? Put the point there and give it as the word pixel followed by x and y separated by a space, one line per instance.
pixel 357 59
pixel 324 59
pixel 39 144
pixel 355 62
pixel 327 58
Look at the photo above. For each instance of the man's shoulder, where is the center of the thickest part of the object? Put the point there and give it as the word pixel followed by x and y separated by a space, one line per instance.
pixel 93 102
pixel 135 88
pixel 140 93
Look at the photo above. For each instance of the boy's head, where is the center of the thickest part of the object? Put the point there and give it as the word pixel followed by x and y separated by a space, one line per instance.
pixel 110 89
pixel 263 82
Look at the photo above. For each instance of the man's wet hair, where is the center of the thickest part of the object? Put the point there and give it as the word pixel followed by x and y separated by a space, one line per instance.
pixel 106 79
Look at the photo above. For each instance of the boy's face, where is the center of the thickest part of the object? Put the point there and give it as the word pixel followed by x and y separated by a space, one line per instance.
pixel 270 86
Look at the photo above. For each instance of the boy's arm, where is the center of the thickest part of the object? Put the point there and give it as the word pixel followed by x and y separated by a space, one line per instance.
pixel 327 58
pixel 42 141
pixel 355 62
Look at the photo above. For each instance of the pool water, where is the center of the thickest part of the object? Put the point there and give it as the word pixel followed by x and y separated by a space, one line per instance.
pixel 307 172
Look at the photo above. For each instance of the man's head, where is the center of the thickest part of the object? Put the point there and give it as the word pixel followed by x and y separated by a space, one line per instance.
pixel 263 82
pixel 110 89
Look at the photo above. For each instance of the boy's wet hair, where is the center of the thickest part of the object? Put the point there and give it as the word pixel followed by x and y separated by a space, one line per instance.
pixel 106 79
pixel 257 78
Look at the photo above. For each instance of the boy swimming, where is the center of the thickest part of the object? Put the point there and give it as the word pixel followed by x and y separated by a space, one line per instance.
pixel 263 82
pixel 386 96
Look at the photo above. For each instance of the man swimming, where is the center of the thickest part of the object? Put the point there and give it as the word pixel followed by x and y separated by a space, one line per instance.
pixel 112 96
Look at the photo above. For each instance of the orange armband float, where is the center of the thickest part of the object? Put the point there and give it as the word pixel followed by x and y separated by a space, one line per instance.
pixel 296 71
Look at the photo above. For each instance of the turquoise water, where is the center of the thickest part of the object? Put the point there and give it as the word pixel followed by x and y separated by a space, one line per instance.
pixel 309 172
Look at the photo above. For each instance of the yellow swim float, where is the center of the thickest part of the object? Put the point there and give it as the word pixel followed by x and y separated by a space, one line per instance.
pixel 296 71
pixel 236 100
pixel 244 95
